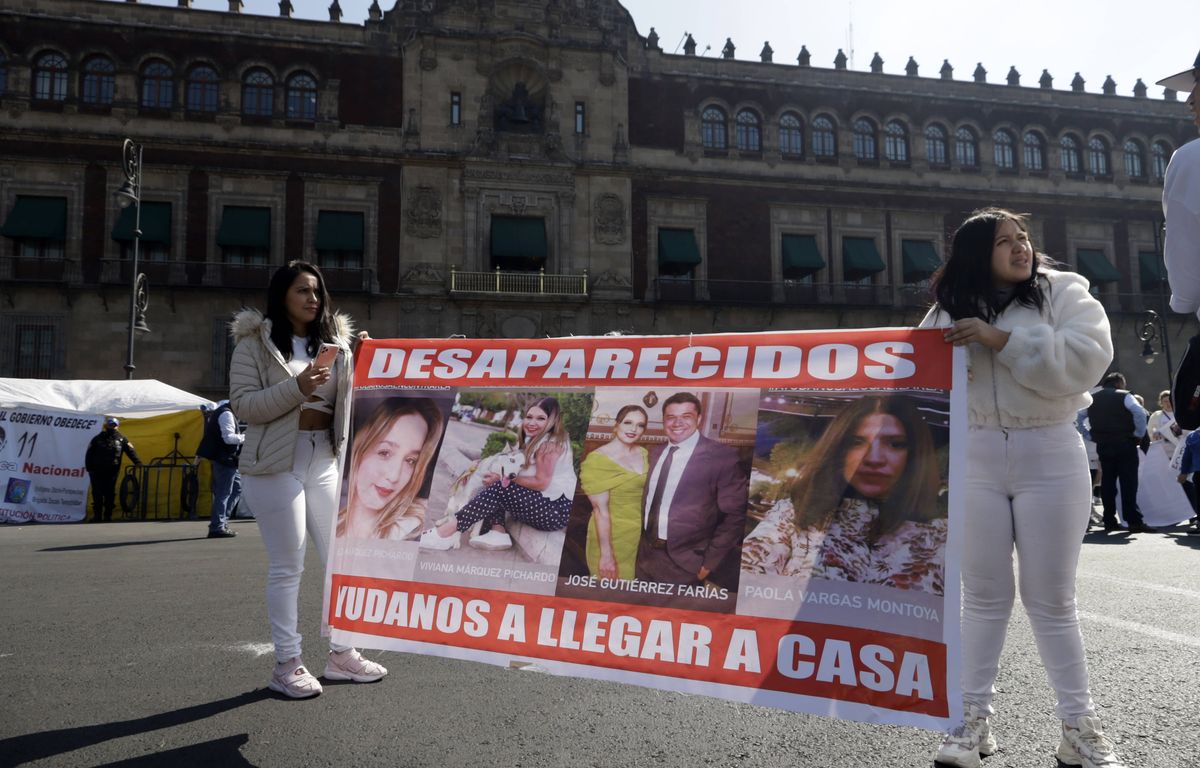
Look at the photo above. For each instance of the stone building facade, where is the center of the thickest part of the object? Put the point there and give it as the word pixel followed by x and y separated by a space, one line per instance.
pixel 523 168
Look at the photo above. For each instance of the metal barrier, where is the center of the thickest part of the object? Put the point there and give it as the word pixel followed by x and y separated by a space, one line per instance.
pixel 499 281
pixel 178 472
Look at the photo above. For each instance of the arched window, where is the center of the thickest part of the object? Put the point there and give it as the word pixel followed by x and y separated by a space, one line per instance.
pixel 258 93
pixel 1160 156
pixel 1135 160
pixel 749 131
pixel 864 140
pixel 158 86
pixel 1069 147
pixel 824 139
pixel 1035 151
pixel 98 81
pixel 1006 157
pixel 712 128
pixel 202 89
pixel 895 142
pixel 935 145
pixel 1098 156
pixel 791 134
pixel 50 77
pixel 301 97
pixel 966 148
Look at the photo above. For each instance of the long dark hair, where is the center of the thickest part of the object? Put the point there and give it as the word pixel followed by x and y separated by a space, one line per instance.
pixel 319 330
pixel 963 285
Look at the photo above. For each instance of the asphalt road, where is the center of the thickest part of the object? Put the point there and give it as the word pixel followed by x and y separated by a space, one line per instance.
pixel 146 644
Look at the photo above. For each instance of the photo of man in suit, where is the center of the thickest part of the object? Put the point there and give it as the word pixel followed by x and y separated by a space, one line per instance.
pixel 694 504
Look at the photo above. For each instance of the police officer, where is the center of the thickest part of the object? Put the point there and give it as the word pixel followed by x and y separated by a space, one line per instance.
pixel 221 444
pixel 103 463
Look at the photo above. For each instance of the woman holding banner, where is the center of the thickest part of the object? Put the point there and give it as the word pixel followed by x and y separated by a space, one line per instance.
pixel 296 403
pixel 388 461
pixel 1037 340
pixel 863 507
pixel 539 495
pixel 614 476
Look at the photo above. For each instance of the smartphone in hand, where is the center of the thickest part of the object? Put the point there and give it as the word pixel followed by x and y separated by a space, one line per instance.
pixel 326 354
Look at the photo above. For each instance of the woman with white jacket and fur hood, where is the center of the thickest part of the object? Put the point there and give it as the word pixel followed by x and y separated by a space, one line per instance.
pixel 1037 342
pixel 290 380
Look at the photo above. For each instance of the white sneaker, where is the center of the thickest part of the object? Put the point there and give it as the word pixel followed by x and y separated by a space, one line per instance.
pixel 1084 743
pixel 350 665
pixel 971 740
pixel 493 540
pixel 431 539
pixel 293 680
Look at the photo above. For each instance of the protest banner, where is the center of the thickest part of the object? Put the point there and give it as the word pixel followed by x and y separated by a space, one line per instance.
pixel 761 517
pixel 42 475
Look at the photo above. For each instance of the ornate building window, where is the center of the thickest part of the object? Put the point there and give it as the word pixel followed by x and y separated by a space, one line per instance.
pixel 580 118
pixel 895 142
pixel 824 138
pixel 1035 151
pixel 791 134
pixel 1135 159
pixel 202 89
pixel 258 93
pixel 713 129
pixel 749 131
pixel 1006 157
pixel 1098 163
pixel 966 148
pixel 935 145
pixel 301 97
pixel 1160 156
pixel 455 108
pixel 1069 146
pixel 865 142
pixel 158 85
pixel 98 81
pixel 50 77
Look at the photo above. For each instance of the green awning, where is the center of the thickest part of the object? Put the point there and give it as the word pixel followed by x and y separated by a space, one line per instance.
pixel 243 227
pixel 339 231
pixel 801 257
pixel 156 223
pixel 37 218
pixel 860 258
pixel 1151 267
pixel 519 238
pixel 920 260
pixel 678 252
pixel 1096 268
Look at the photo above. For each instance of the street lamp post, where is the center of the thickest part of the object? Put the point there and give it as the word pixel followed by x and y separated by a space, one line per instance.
pixel 130 193
pixel 1154 324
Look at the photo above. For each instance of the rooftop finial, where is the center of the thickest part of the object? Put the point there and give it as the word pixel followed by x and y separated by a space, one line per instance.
pixel 767 53
pixel 689 45
pixel 910 68
pixel 1139 89
pixel 727 51
pixel 805 58
pixel 980 73
pixel 1109 87
pixel 335 11
pixel 877 63
pixel 1014 77
pixel 947 71
pixel 1077 83
pixel 839 61
pixel 652 40
pixel 1046 81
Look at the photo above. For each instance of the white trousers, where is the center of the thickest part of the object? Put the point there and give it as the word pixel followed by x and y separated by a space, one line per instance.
pixel 1028 489
pixel 286 505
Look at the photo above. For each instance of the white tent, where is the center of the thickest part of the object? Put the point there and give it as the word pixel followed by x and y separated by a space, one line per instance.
pixel 130 399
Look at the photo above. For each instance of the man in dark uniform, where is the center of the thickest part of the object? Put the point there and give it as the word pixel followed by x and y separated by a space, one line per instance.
pixel 103 462
pixel 1117 423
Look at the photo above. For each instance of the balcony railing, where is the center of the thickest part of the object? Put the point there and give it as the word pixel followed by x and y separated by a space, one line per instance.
pixel 522 283
pixel 788 292
pixel 222 275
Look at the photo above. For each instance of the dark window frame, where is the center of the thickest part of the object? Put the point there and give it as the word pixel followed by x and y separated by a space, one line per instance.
pixel 300 97
pixel 791 135
pixel 1033 150
pixel 258 94
pixel 866 139
pixel 714 128
pixel 156 89
pixel 1135 159
pixel 966 147
pixel 1070 157
pixel 937 145
pixel 455 108
pixel 748 130
pixel 824 138
pixel 50 76
pixel 895 142
pixel 98 81
pixel 1099 159
pixel 580 118
pixel 1004 153
pixel 202 94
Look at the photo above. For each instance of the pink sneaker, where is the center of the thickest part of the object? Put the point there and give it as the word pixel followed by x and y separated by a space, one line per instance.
pixel 292 679
pixel 350 665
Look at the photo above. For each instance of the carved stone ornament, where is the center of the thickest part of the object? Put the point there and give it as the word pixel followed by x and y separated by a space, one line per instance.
pixel 611 278
pixel 609 220
pixel 426 273
pixel 424 212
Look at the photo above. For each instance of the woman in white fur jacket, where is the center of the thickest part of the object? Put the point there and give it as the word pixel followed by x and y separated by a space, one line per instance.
pixel 290 380
pixel 1037 342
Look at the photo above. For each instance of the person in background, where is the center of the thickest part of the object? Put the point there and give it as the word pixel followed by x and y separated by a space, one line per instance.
pixel 220 445
pixel 1181 204
pixel 1036 340
pixel 1117 423
pixel 1189 468
pixel 103 464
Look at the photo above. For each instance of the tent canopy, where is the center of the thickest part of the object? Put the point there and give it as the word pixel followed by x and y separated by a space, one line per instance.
pixel 137 399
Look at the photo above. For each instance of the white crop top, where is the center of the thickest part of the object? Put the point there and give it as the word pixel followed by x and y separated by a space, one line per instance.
pixel 326 392
pixel 562 482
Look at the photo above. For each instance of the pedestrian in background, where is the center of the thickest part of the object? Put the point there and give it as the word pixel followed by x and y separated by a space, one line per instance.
pixel 1181 205
pixel 1117 424
pixel 103 464
pixel 1037 340
pixel 297 408
pixel 221 443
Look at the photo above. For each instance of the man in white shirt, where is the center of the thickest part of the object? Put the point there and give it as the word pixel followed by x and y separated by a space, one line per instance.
pixel 1181 204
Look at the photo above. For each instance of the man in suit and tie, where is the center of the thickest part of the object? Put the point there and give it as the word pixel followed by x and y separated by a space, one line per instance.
pixel 694 507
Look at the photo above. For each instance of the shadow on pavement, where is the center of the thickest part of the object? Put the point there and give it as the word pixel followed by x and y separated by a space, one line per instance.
pixel 222 752
pixel 114 544
pixel 39 746
pixel 1100 537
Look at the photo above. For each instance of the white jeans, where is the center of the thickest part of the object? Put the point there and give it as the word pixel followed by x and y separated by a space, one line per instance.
pixel 1029 488
pixel 285 504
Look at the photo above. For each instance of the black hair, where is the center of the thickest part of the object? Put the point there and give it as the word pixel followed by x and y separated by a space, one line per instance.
pixel 1116 380
pixel 683 397
pixel 963 286
pixel 319 330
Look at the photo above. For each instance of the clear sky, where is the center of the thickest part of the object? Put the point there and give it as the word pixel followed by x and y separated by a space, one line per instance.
pixel 1096 38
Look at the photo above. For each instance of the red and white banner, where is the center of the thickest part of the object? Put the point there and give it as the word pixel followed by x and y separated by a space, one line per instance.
pixel 42 477
pixel 763 517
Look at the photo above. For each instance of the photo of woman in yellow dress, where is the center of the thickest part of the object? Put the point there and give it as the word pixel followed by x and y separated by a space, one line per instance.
pixel 613 477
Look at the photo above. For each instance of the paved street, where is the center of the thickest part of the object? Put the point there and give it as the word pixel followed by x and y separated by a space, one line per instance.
pixel 145 644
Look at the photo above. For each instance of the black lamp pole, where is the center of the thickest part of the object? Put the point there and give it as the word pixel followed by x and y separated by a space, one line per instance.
pixel 130 193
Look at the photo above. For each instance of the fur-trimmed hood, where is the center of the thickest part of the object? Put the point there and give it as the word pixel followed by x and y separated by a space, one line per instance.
pixel 250 322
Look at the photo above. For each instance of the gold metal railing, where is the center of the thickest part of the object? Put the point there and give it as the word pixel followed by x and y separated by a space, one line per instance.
pixel 535 283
